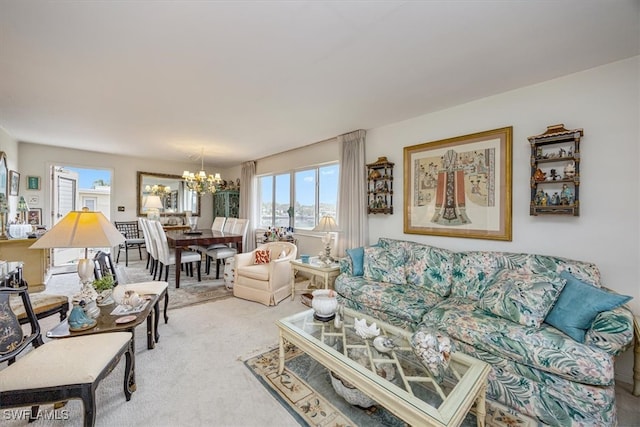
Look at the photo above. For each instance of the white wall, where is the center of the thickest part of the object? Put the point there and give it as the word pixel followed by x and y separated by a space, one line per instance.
pixel 35 159
pixel 605 102
pixel 10 147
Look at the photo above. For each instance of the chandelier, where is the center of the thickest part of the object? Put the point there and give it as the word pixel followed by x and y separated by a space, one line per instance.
pixel 158 190
pixel 201 182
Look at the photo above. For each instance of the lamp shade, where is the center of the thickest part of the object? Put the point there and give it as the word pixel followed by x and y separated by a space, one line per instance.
pixel 81 229
pixel 327 224
pixel 153 202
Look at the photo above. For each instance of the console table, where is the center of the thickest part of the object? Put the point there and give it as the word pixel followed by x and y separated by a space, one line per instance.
pixel 36 261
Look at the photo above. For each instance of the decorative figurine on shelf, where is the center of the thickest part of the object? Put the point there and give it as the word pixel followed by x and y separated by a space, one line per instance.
pixel 570 170
pixel 539 197
pixel 554 175
pixel 555 199
pixel 566 197
pixel 538 175
pixel 562 152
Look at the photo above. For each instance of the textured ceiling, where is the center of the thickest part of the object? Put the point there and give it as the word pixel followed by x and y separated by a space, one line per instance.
pixel 246 79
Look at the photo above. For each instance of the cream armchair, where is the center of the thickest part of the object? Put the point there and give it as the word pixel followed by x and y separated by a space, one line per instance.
pixel 267 283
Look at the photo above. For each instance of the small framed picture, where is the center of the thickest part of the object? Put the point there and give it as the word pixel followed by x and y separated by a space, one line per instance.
pixel 35 216
pixel 14 183
pixel 33 182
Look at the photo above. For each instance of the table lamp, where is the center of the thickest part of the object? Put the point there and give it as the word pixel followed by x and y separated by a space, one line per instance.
pixel 153 205
pixel 82 229
pixel 327 225
pixel 22 208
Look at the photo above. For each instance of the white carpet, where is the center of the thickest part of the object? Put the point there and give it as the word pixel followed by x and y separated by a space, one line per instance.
pixel 195 376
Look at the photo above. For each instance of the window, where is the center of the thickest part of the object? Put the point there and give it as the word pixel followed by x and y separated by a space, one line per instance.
pixel 90 203
pixel 312 192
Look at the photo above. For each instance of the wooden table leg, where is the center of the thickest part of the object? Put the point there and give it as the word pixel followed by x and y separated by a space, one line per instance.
pixel 293 283
pixel 178 265
pixel 281 356
pixel 481 410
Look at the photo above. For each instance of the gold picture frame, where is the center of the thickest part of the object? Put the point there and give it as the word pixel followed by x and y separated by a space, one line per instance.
pixel 460 187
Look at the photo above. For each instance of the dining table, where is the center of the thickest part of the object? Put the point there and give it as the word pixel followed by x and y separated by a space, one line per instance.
pixel 183 239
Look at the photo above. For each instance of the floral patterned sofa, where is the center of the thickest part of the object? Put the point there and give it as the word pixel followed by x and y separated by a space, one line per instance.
pixel 500 307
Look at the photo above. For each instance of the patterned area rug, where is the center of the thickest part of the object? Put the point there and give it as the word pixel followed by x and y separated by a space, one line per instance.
pixel 190 291
pixel 64 281
pixel 305 389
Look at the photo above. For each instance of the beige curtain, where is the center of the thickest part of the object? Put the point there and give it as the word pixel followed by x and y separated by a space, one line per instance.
pixel 248 209
pixel 352 197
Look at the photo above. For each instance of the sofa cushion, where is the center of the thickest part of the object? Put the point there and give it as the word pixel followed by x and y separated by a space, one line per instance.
pixel 357 260
pixel 384 265
pixel 544 348
pixel 429 267
pixel 521 296
pixel 473 270
pixel 407 303
pixel 579 304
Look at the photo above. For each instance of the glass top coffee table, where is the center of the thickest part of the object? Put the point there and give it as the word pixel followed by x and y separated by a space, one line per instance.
pixel 398 380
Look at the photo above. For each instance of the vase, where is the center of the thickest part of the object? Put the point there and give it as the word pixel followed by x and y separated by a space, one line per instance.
pixel 324 304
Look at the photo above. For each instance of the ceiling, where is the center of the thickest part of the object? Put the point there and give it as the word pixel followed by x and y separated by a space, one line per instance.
pixel 243 80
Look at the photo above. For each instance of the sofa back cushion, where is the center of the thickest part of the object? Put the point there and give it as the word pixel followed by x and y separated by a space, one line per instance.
pixel 522 297
pixel 474 270
pixel 384 265
pixel 426 266
pixel 430 268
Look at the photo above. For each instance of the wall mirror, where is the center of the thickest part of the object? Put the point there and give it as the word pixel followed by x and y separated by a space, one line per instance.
pixel 3 174
pixel 175 197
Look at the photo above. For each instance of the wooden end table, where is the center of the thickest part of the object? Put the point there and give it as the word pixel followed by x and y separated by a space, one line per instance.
pixel 327 273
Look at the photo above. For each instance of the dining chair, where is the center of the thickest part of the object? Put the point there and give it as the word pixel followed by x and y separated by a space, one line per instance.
pixel 152 249
pixel 78 364
pixel 167 256
pixel 103 265
pixel 132 239
pixel 219 254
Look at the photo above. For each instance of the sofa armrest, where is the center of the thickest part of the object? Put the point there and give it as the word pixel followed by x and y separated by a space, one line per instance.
pixel 346 265
pixel 611 331
pixel 244 259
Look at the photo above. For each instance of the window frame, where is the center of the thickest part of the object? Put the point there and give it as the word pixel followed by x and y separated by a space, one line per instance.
pixel 292 192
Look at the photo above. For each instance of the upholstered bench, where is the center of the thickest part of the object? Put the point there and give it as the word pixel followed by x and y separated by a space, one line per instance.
pixel 44 305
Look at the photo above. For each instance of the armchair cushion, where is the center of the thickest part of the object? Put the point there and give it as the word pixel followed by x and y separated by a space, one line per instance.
pixel 256 271
pixel 262 256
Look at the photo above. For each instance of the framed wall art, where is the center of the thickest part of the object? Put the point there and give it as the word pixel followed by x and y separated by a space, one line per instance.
pixel 460 187
pixel 33 182
pixel 14 183
pixel 34 216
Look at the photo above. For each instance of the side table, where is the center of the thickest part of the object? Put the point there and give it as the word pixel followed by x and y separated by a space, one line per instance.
pixel 327 273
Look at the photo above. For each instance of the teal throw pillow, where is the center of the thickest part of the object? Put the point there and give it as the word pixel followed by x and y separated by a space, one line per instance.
pixel 579 304
pixel 522 297
pixel 357 260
